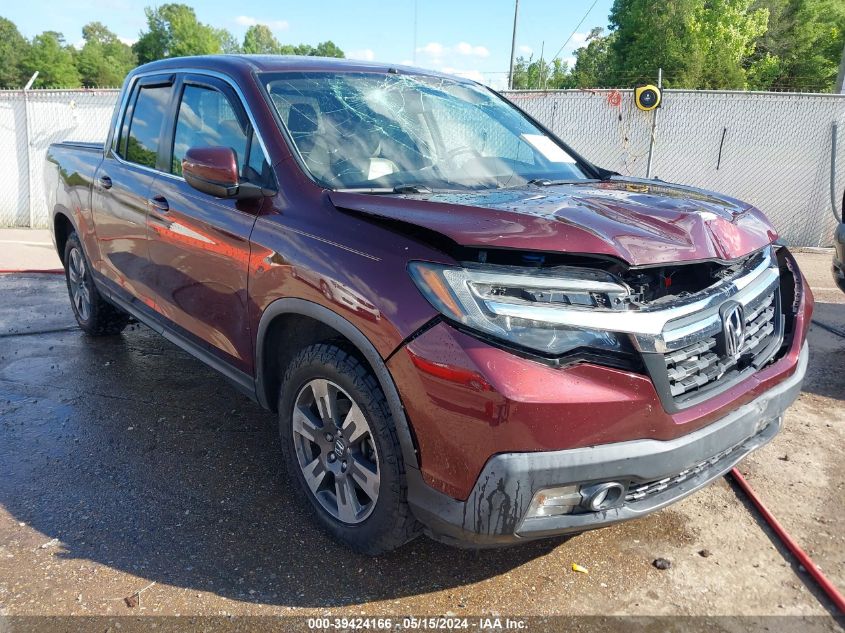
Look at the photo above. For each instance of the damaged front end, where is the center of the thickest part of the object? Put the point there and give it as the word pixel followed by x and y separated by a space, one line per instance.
pixel 694 328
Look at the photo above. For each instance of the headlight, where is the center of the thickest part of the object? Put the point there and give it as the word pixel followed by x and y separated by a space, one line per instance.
pixel 525 306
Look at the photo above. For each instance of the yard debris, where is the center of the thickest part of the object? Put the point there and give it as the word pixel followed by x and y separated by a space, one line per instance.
pixel 705 553
pixel 579 569
pixel 134 600
pixel 662 563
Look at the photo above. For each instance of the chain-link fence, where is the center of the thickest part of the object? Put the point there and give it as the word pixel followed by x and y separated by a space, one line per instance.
pixel 772 150
pixel 29 122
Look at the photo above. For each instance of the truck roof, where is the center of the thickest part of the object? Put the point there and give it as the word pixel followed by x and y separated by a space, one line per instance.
pixel 237 64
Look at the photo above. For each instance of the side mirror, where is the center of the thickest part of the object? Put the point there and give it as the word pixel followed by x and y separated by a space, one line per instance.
pixel 214 170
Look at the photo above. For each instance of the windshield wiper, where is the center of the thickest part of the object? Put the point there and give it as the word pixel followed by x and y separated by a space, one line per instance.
pixel 545 182
pixel 384 190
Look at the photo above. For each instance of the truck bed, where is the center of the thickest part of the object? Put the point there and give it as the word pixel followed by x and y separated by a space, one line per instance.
pixel 83 145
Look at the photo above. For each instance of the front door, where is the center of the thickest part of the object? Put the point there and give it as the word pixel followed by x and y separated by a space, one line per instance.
pixel 198 244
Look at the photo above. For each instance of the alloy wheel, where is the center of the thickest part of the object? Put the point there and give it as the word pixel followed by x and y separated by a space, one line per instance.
pixel 336 451
pixel 80 292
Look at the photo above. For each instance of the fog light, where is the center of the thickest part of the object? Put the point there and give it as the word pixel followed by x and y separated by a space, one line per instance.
pixel 602 496
pixel 554 501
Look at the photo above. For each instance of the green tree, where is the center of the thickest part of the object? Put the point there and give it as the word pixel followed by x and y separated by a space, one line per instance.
pixel 593 65
pixel 728 31
pixel 328 49
pixel 534 74
pixel 259 39
pixel 650 34
pixel 228 42
pixel 698 43
pixel 803 45
pixel 13 51
pixel 54 61
pixel 104 60
pixel 174 31
pixel 323 49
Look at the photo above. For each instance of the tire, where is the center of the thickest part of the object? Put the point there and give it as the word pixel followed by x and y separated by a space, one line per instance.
pixel 349 453
pixel 95 315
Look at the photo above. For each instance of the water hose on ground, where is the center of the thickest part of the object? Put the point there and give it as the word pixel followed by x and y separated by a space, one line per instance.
pixel 832 592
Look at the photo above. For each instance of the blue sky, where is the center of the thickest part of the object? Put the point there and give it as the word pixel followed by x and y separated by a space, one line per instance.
pixel 471 38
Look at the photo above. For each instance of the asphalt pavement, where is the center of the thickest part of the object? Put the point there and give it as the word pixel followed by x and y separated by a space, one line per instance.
pixel 127 466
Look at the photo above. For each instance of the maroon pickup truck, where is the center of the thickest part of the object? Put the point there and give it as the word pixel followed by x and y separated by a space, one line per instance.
pixel 465 327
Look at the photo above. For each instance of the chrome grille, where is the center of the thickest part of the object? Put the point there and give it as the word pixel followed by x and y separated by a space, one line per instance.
pixel 700 364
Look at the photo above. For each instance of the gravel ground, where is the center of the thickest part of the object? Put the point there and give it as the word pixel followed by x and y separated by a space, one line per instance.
pixel 127 466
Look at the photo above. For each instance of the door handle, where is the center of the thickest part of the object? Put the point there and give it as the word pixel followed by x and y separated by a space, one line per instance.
pixel 159 203
pixel 104 182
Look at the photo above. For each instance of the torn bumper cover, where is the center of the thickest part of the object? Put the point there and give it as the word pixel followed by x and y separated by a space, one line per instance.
pixel 652 474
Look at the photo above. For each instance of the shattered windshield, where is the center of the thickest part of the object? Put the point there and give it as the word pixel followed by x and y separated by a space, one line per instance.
pixel 389 131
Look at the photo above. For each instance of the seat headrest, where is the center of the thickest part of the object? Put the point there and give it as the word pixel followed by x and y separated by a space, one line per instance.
pixel 302 119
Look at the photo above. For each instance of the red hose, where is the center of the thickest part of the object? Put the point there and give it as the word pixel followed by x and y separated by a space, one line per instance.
pixel 833 593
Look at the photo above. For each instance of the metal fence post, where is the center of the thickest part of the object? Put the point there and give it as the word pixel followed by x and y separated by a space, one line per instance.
pixel 653 126
pixel 28 150
pixel 833 192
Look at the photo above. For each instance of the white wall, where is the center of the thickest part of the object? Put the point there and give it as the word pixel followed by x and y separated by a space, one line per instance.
pixel 775 147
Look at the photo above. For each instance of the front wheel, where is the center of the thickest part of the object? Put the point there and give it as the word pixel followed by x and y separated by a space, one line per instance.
pixel 95 315
pixel 339 443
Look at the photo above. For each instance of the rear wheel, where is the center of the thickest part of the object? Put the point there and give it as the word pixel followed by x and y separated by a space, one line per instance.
pixel 340 445
pixel 95 315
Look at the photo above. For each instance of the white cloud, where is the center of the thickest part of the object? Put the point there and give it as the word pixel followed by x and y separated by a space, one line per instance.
pixel 435 49
pixel 463 48
pixel 366 54
pixel 458 59
pixel 525 50
pixel 275 25
pixel 475 75
pixel 577 39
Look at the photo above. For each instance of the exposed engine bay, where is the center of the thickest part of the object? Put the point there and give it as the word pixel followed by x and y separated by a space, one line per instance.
pixel 646 286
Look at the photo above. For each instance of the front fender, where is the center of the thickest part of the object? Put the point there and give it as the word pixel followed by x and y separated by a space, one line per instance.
pixel 301 307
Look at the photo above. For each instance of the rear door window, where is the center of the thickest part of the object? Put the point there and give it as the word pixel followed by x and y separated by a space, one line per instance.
pixel 144 130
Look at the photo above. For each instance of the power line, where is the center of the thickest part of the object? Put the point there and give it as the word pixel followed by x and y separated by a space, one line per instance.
pixel 576 29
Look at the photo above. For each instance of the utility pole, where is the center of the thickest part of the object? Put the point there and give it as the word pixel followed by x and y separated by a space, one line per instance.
pixel 540 67
pixel 415 32
pixel 513 43
pixel 840 78
pixel 654 125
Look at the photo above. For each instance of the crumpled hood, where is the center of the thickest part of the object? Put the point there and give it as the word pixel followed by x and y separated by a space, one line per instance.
pixel 639 221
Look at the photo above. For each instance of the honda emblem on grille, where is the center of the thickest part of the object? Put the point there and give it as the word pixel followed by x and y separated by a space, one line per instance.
pixel 733 328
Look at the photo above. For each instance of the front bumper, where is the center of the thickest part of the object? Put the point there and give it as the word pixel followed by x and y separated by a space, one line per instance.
pixel 494 513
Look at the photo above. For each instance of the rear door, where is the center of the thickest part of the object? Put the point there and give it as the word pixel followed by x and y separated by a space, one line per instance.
pixel 122 184
pixel 199 244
